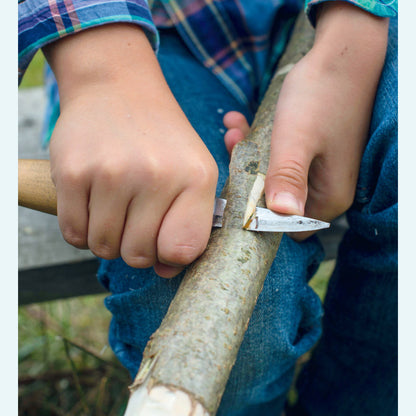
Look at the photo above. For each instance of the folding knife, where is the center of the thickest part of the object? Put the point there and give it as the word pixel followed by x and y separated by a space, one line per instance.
pixel 265 220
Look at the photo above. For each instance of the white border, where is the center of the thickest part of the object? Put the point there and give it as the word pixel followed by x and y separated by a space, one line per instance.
pixel 407 204
pixel 9 227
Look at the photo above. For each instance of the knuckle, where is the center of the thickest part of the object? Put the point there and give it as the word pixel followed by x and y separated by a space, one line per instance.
pixel 73 237
pixel 69 175
pixel 103 249
pixel 341 202
pixel 138 261
pixel 205 174
pixel 331 203
pixel 111 172
pixel 152 171
pixel 292 173
pixel 137 256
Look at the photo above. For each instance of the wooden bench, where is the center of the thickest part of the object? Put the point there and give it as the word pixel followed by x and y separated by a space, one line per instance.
pixel 49 268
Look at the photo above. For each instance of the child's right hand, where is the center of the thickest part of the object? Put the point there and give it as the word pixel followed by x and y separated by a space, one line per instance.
pixel 133 178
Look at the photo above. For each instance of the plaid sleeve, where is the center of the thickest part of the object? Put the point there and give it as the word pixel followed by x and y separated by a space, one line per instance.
pixel 382 8
pixel 44 21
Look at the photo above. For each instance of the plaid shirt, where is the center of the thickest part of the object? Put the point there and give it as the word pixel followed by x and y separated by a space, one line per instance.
pixel 240 41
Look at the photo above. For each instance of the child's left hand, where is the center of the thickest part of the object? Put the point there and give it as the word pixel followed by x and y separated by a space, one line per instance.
pixel 322 116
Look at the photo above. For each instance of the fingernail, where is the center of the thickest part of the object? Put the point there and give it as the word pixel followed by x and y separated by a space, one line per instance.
pixel 286 203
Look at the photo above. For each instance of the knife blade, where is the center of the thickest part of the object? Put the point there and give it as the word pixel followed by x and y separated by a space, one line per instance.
pixel 266 220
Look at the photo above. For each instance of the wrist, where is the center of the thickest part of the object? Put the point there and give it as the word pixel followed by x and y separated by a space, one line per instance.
pixel 350 41
pixel 111 57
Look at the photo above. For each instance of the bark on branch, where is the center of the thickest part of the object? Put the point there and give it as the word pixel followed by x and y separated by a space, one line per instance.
pixel 187 361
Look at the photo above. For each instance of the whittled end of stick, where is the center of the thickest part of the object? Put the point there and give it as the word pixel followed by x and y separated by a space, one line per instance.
pixel 162 401
pixel 255 194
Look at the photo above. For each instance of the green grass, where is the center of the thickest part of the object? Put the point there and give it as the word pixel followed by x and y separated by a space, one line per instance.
pixel 65 364
pixel 33 76
pixel 319 281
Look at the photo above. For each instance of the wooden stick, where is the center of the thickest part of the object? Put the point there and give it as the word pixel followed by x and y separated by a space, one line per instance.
pixel 36 189
pixel 187 361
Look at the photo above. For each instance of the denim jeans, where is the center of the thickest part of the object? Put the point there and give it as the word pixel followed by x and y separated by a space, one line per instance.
pixel 353 370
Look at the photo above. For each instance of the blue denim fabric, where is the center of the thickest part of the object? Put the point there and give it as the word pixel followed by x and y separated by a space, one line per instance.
pixel 354 368
pixel 286 320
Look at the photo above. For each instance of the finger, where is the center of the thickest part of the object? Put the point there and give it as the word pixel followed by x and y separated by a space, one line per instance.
pixel 72 211
pixel 235 119
pixel 163 270
pixel 312 210
pixel 107 208
pixel 185 229
pixel 139 241
pixel 301 236
pixel 286 184
pixel 232 137
pixel 331 190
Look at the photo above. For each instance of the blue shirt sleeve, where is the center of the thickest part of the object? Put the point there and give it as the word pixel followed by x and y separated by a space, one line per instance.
pixel 44 21
pixel 382 8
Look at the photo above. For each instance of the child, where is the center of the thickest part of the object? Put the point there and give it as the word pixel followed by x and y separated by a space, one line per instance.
pixel 137 157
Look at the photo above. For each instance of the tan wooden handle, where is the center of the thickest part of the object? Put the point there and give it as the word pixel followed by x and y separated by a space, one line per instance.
pixel 36 189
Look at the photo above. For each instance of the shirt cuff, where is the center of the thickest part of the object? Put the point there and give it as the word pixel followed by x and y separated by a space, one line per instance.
pixel 382 8
pixel 42 21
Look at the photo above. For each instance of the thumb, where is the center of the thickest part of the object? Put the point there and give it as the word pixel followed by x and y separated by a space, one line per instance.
pixel 286 184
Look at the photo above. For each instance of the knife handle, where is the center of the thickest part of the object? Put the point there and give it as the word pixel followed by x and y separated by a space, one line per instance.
pixel 36 189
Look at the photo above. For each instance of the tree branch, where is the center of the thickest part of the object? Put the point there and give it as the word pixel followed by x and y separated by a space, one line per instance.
pixel 187 361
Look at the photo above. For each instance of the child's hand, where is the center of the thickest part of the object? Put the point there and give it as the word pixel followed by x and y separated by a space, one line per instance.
pixel 132 176
pixel 322 116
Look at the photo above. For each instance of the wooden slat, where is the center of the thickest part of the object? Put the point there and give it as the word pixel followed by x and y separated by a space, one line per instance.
pixel 59 281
